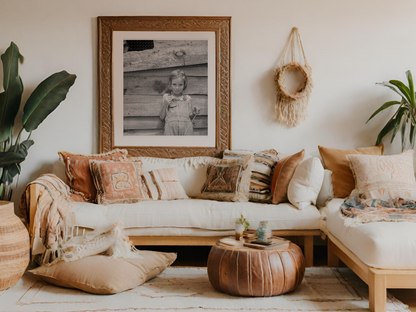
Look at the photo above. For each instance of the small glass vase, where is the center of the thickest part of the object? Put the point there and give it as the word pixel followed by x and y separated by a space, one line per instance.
pixel 239 229
pixel 264 233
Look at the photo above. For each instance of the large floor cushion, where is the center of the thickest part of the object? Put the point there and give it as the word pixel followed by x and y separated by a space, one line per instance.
pixel 195 213
pixel 383 245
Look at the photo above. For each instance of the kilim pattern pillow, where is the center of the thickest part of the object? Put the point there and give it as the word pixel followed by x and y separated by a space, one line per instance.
pixel 262 172
pixel 118 182
pixel 222 179
pixel 228 179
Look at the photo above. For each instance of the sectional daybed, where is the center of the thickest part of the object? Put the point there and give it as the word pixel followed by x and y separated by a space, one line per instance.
pixel 381 253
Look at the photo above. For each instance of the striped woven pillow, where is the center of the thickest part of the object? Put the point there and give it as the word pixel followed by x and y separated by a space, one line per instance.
pixel 262 172
pixel 168 184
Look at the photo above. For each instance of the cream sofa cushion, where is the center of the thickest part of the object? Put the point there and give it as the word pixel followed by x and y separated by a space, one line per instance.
pixel 195 213
pixel 306 183
pixel 384 177
pixel 104 275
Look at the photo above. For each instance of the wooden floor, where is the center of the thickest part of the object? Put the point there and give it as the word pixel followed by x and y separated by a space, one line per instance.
pixel 197 256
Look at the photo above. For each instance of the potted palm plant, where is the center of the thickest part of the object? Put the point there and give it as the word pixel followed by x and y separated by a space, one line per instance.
pixel 43 101
pixel 404 119
pixel 13 150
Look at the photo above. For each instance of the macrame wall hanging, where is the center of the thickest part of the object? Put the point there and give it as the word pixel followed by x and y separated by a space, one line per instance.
pixel 291 105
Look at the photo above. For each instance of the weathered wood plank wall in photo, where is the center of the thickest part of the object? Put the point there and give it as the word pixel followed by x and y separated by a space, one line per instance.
pixel 146 76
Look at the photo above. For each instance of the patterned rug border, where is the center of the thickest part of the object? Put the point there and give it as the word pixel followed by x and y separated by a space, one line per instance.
pixel 31 287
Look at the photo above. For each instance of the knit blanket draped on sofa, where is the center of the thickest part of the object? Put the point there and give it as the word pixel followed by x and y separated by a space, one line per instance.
pixel 356 211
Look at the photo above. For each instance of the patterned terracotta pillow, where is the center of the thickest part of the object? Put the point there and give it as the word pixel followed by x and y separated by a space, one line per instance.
pixel 118 182
pixel 228 179
pixel 167 184
pixel 77 170
pixel 384 177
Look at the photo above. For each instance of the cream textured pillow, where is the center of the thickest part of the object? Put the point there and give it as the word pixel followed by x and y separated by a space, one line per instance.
pixel 326 193
pixel 384 177
pixel 306 183
pixel 104 275
pixel 336 160
pixel 228 180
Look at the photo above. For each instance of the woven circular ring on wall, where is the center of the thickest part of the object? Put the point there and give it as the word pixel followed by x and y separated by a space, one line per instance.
pixel 303 90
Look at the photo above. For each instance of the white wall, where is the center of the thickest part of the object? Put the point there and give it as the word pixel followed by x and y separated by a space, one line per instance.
pixel 349 44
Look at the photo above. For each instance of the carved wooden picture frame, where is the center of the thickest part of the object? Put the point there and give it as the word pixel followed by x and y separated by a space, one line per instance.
pixel 139 58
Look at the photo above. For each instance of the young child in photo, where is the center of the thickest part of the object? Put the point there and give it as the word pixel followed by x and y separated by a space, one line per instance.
pixel 177 108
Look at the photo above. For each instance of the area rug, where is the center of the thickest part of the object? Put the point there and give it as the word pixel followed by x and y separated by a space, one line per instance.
pixel 188 289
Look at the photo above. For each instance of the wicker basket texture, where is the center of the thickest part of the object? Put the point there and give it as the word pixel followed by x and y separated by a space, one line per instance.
pixel 14 246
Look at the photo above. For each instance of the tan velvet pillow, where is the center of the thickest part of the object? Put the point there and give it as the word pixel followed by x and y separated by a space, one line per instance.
pixel 118 182
pixel 77 170
pixel 104 276
pixel 283 174
pixel 384 177
pixel 337 161
pixel 228 180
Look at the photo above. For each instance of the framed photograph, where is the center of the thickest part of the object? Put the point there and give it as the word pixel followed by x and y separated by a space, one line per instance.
pixel 164 85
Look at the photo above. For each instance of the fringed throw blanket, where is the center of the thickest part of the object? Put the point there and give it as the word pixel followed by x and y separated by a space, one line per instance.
pixel 356 211
pixel 52 226
pixel 51 222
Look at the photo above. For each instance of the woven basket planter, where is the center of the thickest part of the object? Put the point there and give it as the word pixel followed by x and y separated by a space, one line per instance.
pixel 14 246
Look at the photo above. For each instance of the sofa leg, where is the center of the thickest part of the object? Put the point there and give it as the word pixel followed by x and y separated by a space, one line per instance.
pixel 333 260
pixel 308 247
pixel 377 292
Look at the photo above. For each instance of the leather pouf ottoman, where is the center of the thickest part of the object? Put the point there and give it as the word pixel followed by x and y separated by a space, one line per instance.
pixel 256 273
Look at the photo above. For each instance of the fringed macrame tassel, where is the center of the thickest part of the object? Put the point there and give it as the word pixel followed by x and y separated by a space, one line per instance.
pixel 291 112
pixel 291 106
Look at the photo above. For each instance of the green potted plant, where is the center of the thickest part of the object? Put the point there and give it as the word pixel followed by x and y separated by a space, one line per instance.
pixel 404 119
pixel 44 100
pixel 241 225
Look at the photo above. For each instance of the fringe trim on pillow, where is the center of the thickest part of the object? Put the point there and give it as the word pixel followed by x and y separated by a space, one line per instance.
pixel 243 188
pixel 187 162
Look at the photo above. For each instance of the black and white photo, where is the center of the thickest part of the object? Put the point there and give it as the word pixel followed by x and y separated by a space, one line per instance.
pixel 165 87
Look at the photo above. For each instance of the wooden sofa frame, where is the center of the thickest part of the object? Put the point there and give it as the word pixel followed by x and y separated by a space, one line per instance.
pixel 191 240
pixel 378 280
